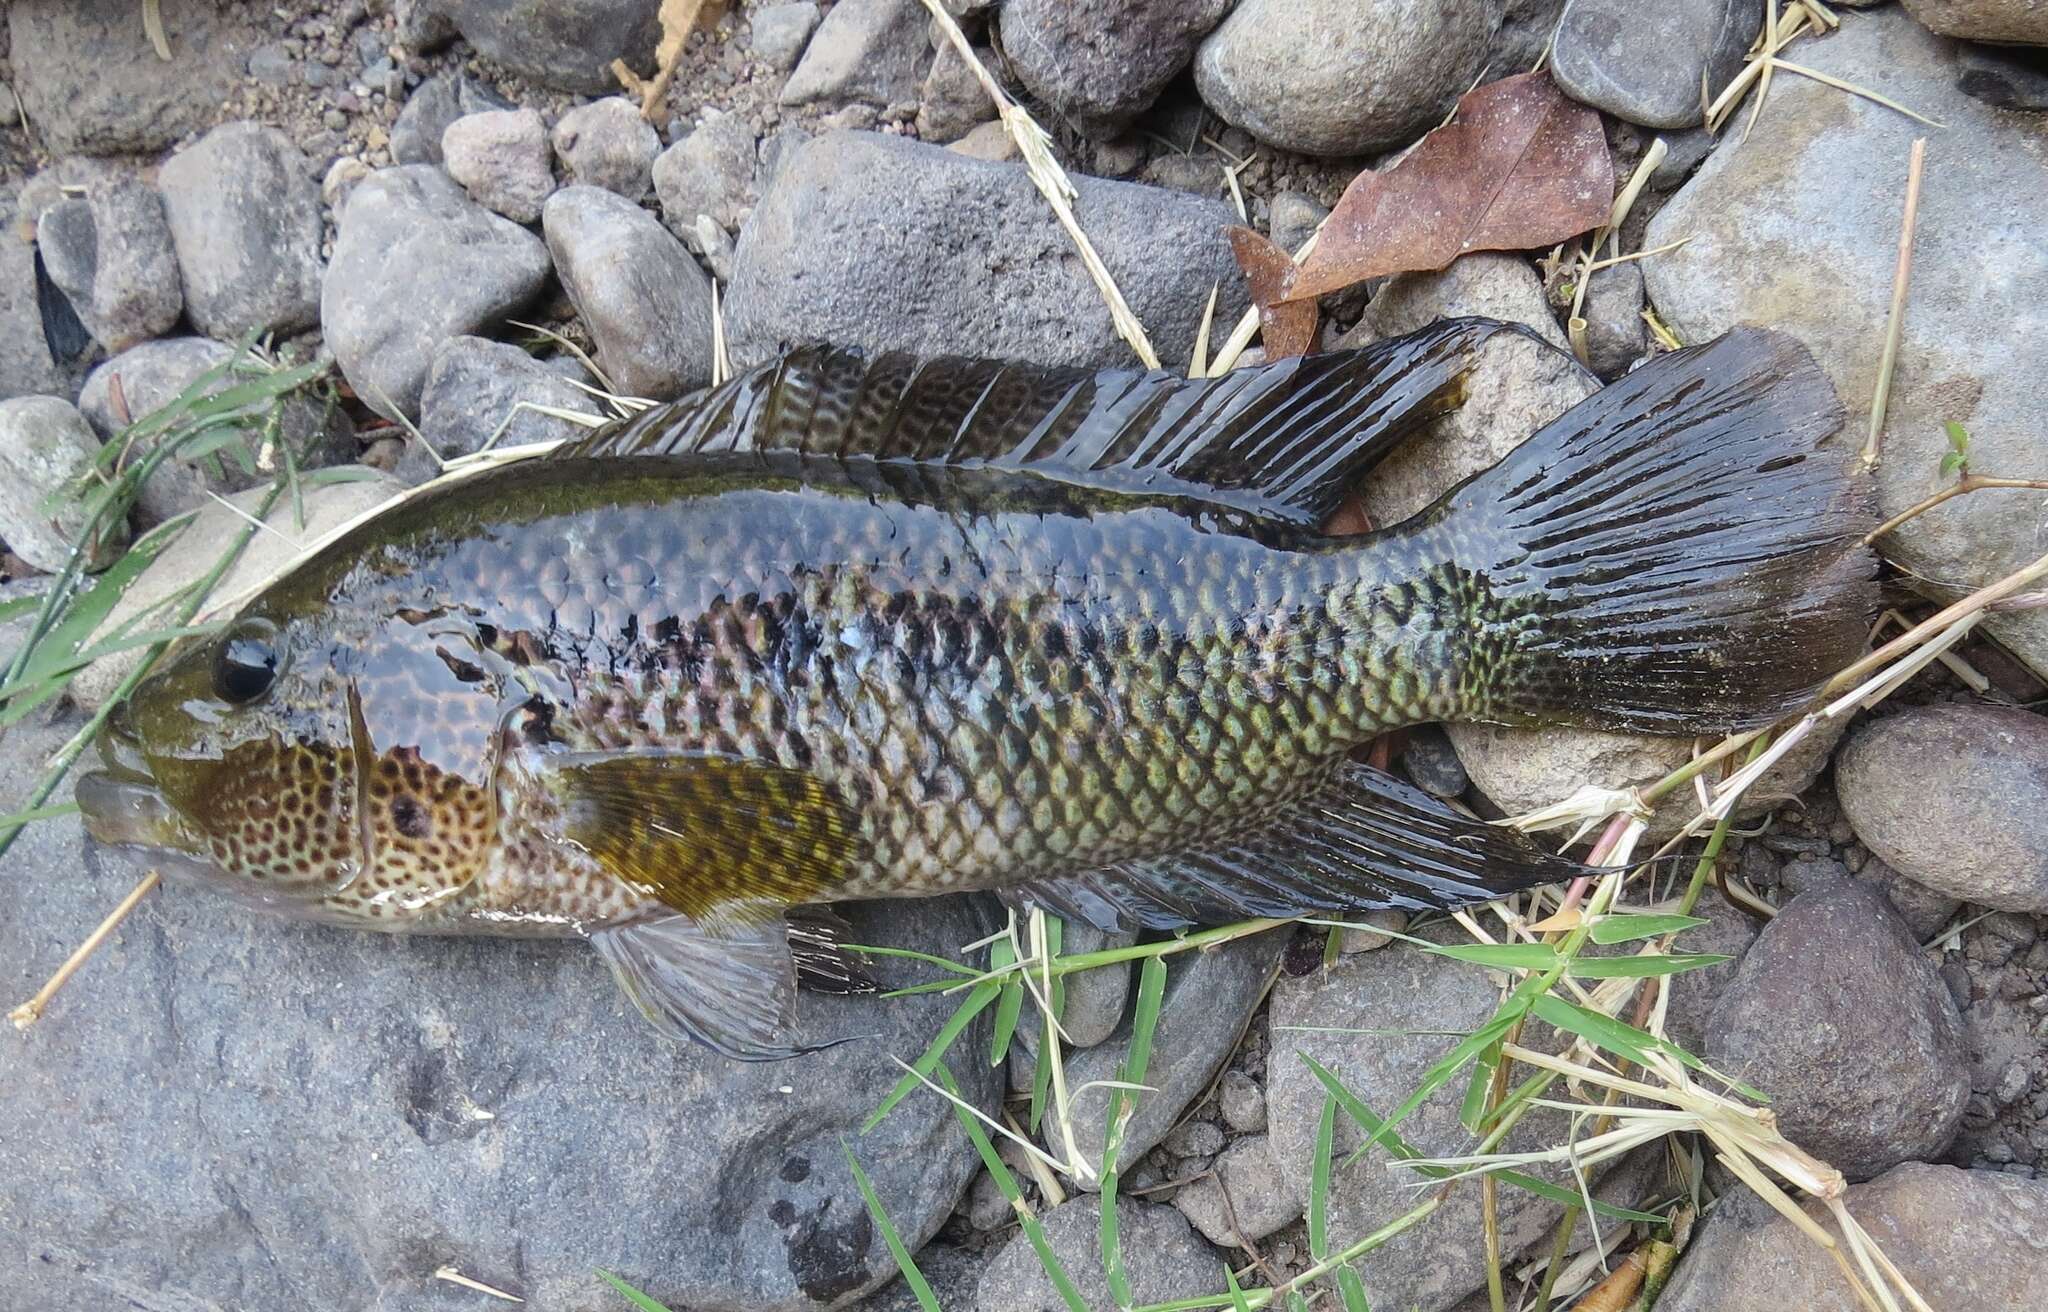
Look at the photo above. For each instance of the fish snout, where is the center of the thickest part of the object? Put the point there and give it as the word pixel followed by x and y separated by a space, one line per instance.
pixel 126 811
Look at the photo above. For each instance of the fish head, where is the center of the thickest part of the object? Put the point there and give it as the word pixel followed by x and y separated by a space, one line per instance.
pixel 332 761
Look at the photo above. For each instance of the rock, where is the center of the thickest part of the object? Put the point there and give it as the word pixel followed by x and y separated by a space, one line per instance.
pixel 1295 218
pixel 196 550
pixel 482 1092
pixel 1332 77
pixel 501 159
pixel 866 51
pixel 1210 996
pixel 474 387
pixel 415 263
pixel 1683 154
pixel 1242 1102
pixel 45 444
pixel 1368 931
pixel 1194 1139
pixel 566 45
pixel 953 101
pixel 1798 228
pixel 1969 1241
pixel 1955 798
pixel 990 143
pixel 1162 1257
pixel 1098 64
pixel 779 32
pixel 244 215
pixel 965 256
pixel 439 101
pixel 2022 22
pixel 1425 998
pixel 712 246
pixel 1259 1198
pixel 1923 910
pixel 647 305
pixel 1648 67
pixel 710 171
pixel 1431 761
pixel 26 366
pixel 1729 932
pixel 2007 77
pixel 153 375
pixel 1616 336
pixel 987 1208
pixel 341 179
pixel 1835 1014
pixel 1094 999
pixel 110 251
pixel 951 1271
pixel 608 144
pixel 93 85
pixel 1198 175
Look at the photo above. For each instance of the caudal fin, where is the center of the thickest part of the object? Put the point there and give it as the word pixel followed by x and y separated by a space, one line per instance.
pixel 1674 554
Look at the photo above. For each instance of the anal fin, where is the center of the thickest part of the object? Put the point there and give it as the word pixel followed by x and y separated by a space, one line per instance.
pixel 1362 841
pixel 730 986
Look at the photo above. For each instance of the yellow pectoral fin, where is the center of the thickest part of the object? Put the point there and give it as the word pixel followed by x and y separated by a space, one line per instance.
pixel 713 837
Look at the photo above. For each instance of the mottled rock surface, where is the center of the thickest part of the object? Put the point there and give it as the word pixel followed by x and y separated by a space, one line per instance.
pixel 244 215
pixel 645 301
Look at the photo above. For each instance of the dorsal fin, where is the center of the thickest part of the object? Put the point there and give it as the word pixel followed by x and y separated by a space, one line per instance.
pixel 1283 441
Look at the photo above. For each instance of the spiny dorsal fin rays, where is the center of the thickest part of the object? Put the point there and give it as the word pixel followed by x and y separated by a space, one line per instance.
pixel 1282 441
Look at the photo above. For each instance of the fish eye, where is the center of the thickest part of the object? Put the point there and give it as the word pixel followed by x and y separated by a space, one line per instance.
pixel 247 663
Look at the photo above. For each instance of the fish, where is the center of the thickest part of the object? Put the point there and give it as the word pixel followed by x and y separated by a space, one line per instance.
pixel 848 627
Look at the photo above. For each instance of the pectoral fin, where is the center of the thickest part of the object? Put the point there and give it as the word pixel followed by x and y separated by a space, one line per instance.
pixel 731 987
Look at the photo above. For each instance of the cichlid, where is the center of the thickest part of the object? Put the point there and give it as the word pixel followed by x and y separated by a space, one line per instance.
pixel 845 629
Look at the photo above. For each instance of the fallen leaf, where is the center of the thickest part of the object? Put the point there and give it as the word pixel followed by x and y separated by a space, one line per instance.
pixel 1286 327
pixel 1519 166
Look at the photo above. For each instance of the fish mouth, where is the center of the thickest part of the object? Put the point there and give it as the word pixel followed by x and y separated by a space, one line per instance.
pixel 121 803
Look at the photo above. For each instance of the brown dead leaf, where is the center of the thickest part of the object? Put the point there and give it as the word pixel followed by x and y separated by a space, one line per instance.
pixel 1286 327
pixel 678 19
pixel 1519 166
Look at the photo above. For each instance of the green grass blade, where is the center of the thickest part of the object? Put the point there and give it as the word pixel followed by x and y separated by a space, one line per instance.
pixel 1463 1054
pixel 1238 1302
pixel 1123 1104
pixel 1473 1110
pixel 1007 1183
pixel 632 1295
pixel 1009 1007
pixel 920 1288
pixel 977 1000
pixel 1643 967
pixel 1625 927
pixel 1349 1288
pixel 35 813
pixel 1500 956
pixel 1626 1040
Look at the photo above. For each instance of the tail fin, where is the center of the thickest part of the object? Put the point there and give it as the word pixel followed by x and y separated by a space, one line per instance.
pixel 1673 555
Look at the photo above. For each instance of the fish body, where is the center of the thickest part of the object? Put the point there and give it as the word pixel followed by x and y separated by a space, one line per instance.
pixel 842 630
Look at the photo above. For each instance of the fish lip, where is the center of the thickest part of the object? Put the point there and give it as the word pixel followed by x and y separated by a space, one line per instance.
pixel 123 809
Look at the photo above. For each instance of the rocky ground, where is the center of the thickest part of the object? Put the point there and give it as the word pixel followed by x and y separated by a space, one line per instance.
pixel 225 1113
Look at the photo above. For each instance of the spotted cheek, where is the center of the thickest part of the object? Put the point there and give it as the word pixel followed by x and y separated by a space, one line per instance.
pixel 429 835
pixel 284 824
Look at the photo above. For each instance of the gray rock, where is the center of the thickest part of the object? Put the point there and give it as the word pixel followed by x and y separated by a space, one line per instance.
pixel 10 110
pixel 645 301
pixel 1242 1102
pixel 1210 996
pixel 2005 76
pixel 1195 1138
pixel 244 215
pixel 501 159
pixel 271 64
pixel 710 171
pixel 1243 1199
pixel 154 374
pixel 606 143
pixel 1835 1014
pixel 45 444
pixel 565 45
pixel 953 102
pixel 963 255
pixel 326 1117
pixel 1162 1257
pixel 341 179
pixel 987 1207
pixel 1295 217
pixel 93 85
pixel 1955 798
pixel 1368 931
pixel 1798 228
pixel 951 1271
pixel 26 367
pixel 1616 335
pixel 439 101
pixel 197 550
pixel 474 388
pixel 2006 21
pixel 415 263
pixel 778 33
pixel 1094 999
pixel 1428 1268
pixel 1318 77
pixel 1969 1241
pixel 1431 761
pixel 1648 66
pixel 712 245
pixel 1100 63
pixel 1198 175
pixel 990 143
pixel 110 251
pixel 1683 154
pixel 866 51
pixel 1729 932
